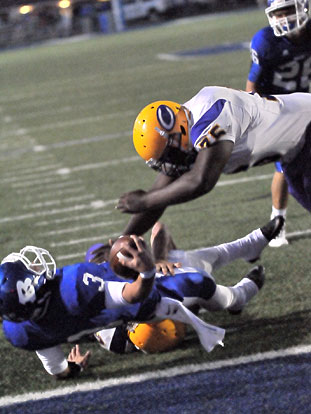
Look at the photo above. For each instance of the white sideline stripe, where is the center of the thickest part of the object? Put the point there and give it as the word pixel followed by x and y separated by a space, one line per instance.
pixel 168 373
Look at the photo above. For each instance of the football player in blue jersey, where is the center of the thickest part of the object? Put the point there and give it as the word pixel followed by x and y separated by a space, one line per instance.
pixel 166 335
pixel 281 63
pixel 43 306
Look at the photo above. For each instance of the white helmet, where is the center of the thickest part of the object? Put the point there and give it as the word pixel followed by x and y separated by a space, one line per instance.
pixel 291 22
pixel 35 259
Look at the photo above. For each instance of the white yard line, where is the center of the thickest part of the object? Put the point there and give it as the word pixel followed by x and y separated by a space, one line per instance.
pixel 79 228
pixel 94 166
pixel 62 124
pixel 154 375
pixel 97 204
pixel 57 202
pixel 104 238
pixel 70 218
pixel 114 201
pixel 29 171
pixel 84 240
pixel 53 186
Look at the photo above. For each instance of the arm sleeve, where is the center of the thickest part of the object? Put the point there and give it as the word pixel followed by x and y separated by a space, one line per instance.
pixel 113 295
pixel 257 49
pixel 53 360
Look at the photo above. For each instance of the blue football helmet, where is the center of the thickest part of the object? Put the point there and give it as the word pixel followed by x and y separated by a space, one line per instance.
pixel 23 279
pixel 295 17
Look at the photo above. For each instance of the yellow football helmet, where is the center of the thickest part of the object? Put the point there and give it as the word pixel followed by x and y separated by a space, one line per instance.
pixel 157 337
pixel 161 137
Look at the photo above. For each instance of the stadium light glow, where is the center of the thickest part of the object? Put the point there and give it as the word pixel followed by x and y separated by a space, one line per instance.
pixel 26 9
pixel 64 4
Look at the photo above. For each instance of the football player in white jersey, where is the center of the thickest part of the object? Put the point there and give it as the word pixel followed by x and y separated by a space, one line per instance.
pixel 281 64
pixel 220 130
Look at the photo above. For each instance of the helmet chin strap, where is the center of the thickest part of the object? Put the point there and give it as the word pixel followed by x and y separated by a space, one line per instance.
pixel 164 134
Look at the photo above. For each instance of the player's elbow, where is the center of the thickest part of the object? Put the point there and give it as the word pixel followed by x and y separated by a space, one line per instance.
pixel 137 291
pixel 138 297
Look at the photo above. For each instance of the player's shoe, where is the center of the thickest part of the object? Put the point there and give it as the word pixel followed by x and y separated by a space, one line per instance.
pixel 271 230
pixel 256 275
pixel 280 239
pixel 274 228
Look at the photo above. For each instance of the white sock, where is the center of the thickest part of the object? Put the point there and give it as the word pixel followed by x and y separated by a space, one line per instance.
pixel 243 292
pixel 231 297
pixel 278 212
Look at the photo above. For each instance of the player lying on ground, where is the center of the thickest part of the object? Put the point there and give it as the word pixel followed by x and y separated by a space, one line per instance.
pixel 219 130
pixel 166 335
pixel 43 306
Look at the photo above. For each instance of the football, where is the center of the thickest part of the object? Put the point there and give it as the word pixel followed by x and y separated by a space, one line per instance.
pixel 116 252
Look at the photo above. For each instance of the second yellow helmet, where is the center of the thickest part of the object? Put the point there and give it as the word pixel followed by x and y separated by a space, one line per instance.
pixel 159 336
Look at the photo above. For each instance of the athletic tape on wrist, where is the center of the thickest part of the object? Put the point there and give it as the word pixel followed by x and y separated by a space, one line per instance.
pixel 149 274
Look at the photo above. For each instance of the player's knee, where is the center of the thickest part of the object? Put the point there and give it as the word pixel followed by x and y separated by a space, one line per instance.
pixel 202 286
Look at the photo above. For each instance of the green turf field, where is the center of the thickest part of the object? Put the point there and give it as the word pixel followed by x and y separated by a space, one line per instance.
pixel 66 154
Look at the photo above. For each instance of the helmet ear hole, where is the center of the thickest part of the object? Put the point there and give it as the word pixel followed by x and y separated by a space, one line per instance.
pixel 166 117
pixel 152 128
pixel 183 131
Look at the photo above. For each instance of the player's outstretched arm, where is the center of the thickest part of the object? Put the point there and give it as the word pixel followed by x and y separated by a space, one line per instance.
pixel 198 181
pixel 141 260
pixel 142 222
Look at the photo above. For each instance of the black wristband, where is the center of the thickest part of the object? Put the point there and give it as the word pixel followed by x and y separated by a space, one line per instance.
pixel 74 369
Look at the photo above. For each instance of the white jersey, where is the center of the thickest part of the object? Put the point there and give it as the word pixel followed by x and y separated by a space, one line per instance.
pixel 262 129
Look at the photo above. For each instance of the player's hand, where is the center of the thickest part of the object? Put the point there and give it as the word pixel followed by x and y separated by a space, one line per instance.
pixel 80 359
pixel 132 202
pixel 166 267
pixel 140 257
pixel 101 254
